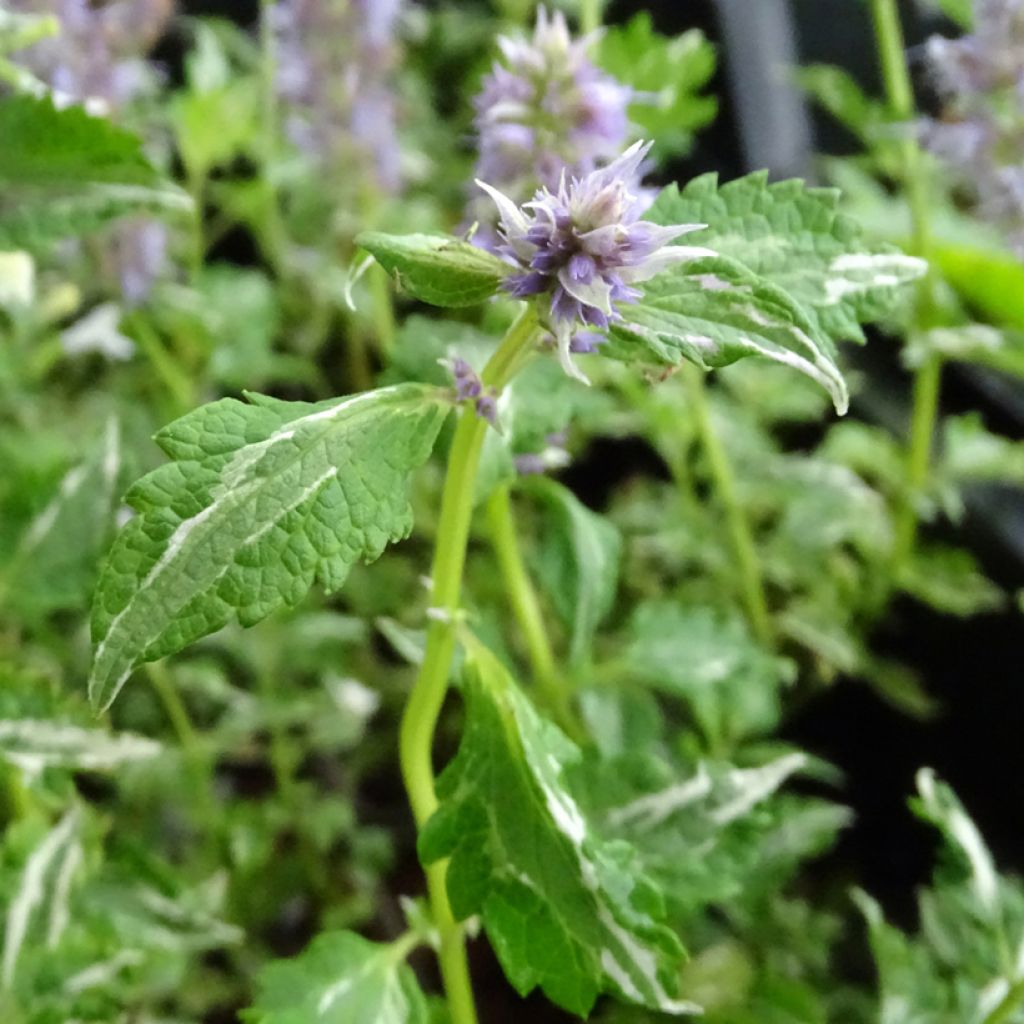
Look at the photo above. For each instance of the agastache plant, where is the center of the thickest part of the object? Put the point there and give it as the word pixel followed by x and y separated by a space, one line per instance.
pixel 980 134
pixel 264 498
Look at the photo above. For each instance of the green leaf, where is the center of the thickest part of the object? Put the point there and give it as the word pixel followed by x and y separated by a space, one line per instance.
pixel 709 659
pixel 710 833
pixel 55 563
pixel 578 562
pixel 978 344
pixel 63 172
pixel 341 978
pixel 950 580
pixel 838 92
pixel 34 744
pixel 970 452
pixel 796 238
pixel 959 11
pixel 260 500
pixel 564 910
pixel 438 269
pixel 39 904
pixel 666 76
pixel 713 311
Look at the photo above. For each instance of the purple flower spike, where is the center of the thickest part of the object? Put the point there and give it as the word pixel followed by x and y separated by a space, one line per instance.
pixel 547 109
pixel 980 134
pixel 583 247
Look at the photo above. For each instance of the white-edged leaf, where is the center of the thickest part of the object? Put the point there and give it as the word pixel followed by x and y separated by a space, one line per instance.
pixel 523 857
pixel 42 893
pixel 796 238
pixel 713 311
pixel 262 498
pixel 341 978
pixel 939 805
pixel 35 744
pixel 438 269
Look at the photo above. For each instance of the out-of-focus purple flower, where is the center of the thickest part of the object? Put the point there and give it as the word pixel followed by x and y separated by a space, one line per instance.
pixel 138 252
pixel 547 108
pixel 583 247
pixel 98 58
pixel 336 67
pixel 980 134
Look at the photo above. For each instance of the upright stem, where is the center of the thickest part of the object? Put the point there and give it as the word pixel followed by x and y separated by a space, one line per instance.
pixel 273 228
pixel 191 747
pixel 590 15
pixel 927 383
pixel 724 477
pixel 424 707
pixel 526 608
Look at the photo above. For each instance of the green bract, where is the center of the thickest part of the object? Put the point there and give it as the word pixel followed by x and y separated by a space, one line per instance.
pixel 438 269
pixel 260 500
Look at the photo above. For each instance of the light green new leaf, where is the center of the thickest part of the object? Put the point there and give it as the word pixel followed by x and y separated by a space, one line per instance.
pixel 438 269
pixel 564 910
pixel 713 311
pixel 666 76
pixel 260 500
pixel 709 659
pixel 64 172
pixel 579 562
pixel 341 978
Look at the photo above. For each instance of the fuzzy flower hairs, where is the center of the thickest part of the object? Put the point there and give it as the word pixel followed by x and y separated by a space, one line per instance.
pixel 580 249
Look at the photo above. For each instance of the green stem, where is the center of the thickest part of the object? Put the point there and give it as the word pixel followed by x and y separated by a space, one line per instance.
pixel 900 95
pixel 526 608
pixel 590 16
pixel 282 765
pixel 191 746
pixel 924 414
pixel 741 537
pixel 424 707
pixel 1012 1001
pixel 273 226
pixel 197 235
